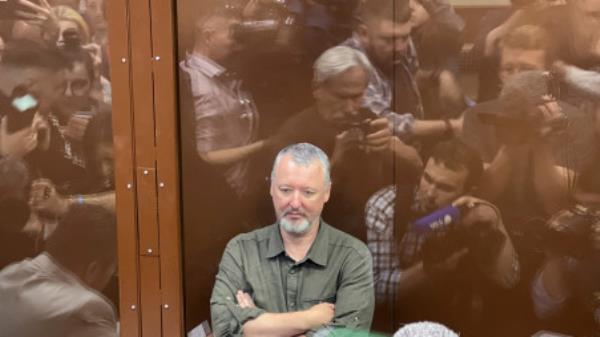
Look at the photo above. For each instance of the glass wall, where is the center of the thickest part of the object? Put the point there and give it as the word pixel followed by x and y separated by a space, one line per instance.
pixel 470 174
pixel 58 255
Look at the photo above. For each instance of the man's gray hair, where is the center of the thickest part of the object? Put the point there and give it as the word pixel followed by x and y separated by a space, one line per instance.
pixel 338 59
pixel 304 154
pixel 425 329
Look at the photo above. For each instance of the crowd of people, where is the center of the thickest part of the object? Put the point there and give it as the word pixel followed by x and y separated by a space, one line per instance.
pixel 57 223
pixel 402 193
pixel 478 203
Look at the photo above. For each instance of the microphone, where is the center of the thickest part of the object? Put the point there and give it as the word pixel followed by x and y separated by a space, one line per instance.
pixel 585 82
pixel 441 218
pixel 525 89
pixel 520 93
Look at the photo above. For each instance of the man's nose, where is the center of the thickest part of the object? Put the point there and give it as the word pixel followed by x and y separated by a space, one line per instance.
pixel 107 170
pixel 430 192
pixel 352 107
pixel 68 91
pixel 296 202
pixel 400 48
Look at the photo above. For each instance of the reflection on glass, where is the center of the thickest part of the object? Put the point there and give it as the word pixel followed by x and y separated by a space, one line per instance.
pixel 57 222
pixel 451 155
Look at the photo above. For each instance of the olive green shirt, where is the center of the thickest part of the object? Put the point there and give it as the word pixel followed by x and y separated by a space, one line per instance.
pixel 337 269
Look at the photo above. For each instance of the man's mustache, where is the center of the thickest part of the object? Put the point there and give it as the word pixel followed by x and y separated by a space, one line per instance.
pixel 294 212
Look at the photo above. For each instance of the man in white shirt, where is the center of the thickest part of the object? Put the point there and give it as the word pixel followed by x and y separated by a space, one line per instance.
pixel 57 293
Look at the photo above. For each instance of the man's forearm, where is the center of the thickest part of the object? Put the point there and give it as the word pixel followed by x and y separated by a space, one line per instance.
pixel 411 278
pixel 407 154
pixel 496 176
pixel 551 181
pixel 506 271
pixel 232 155
pixel 278 325
pixel 428 128
pixel 105 200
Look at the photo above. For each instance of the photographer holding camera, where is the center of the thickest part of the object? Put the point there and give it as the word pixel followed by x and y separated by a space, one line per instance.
pixel 430 236
pixel 532 144
pixel 566 289
pixel 363 151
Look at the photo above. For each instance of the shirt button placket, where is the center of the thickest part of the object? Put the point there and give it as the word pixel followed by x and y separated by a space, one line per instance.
pixel 292 288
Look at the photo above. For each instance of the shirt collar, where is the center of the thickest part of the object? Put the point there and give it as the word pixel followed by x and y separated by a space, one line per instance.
pixel 48 264
pixel 205 65
pixel 275 242
pixel 317 253
pixel 354 42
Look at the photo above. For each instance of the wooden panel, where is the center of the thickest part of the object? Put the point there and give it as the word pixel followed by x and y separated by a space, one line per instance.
pixel 167 162
pixel 150 301
pixel 141 50
pixel 143 106
pixel 147 211
pixel 118 30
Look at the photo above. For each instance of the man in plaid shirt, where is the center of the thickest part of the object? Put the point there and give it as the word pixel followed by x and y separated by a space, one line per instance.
pixel 407 260
pixel 383 36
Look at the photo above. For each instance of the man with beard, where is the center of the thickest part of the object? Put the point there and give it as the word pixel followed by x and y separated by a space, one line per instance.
pixel 383 36
pixel 411 264
pixel 299 275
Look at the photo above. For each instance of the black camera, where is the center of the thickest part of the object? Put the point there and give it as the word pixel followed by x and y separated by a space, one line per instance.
pixel 361 120
pixel 71 39
pixel 569 231
pixel 272 26
pixel 445 237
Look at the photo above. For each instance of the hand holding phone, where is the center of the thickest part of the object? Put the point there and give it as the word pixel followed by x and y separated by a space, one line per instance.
pixel 23 107
pixel 16 144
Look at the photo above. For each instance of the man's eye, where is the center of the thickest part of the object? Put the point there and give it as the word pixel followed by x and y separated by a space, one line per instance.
pixel 285 190
pixel 446 188
pixel 309 193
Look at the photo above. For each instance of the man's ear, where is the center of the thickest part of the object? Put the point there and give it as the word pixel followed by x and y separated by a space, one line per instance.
pixel 316 90
pixel 328 192
pixel 207 35
pixel 363 34
pixel 92 273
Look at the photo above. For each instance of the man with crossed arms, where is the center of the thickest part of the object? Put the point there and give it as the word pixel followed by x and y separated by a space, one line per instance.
pixel 299 276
